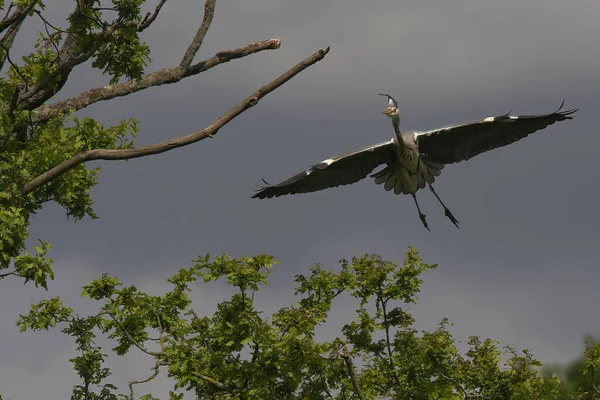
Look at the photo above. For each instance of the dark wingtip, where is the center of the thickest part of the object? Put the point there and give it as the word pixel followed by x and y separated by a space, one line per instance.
pixel 565 113
pixel 260 192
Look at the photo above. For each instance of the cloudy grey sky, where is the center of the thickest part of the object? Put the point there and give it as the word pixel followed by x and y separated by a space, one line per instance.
pixel 523 268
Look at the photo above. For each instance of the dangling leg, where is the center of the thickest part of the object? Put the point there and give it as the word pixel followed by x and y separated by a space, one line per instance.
pixel 447 212
pixel 421 215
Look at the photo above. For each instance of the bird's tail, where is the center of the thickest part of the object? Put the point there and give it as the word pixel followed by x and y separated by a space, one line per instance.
pixel 433 168
pixel 395 176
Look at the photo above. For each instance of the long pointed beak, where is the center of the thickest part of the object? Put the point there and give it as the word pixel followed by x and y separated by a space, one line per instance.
pixel 387 111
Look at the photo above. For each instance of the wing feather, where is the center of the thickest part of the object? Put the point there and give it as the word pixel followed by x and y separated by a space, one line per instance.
pixel 340 170
pixel 460 142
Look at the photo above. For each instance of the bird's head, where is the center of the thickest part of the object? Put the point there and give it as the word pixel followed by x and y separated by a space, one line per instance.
pixel 392 111
pixel 392 108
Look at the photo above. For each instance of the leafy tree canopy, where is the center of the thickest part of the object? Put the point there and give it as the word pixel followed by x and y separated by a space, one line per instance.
pixel 239 353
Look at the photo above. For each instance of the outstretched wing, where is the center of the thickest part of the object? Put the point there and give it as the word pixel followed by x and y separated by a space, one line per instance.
pixel 340 170
pixel 454 143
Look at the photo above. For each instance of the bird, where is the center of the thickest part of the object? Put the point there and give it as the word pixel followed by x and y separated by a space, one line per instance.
pixel 413 159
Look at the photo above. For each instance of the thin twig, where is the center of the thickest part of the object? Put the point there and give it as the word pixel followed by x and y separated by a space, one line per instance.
pixel 2 276
pixel 46 22
pixel 352 372
pixel 208 132
pixel 15 66
pixel 149 18
pixel 148 379
pixel 209 13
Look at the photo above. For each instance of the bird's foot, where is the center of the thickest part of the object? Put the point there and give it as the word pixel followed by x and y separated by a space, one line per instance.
pixel 451 217
pixel 424 221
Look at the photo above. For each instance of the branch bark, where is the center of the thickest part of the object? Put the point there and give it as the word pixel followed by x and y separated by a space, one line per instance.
pixel 209 131
pixel 209 13
pixel 18 16
pixel 352 372
pixel 157 78
pixel 13 24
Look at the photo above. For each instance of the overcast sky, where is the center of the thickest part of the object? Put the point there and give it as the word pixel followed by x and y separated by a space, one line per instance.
pixel 523 268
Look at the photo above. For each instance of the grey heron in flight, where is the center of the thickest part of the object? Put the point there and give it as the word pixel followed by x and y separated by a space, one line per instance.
pixel 414 158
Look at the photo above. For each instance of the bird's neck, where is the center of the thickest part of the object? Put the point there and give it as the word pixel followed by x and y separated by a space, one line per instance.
pixel 396 124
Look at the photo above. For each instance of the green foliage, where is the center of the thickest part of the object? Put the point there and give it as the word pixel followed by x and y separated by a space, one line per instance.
pixel 581 375
pixel 29 148
pixel 49 145
pixel 239 353
pixel 124 56
pixel 35 267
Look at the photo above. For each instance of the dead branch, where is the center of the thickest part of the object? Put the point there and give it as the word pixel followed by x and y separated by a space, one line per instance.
pixel 209 13
pixel 209 131
pixel 149 18
pixel 157 78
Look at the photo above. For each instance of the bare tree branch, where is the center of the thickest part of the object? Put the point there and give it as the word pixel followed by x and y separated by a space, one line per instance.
pixel 352 371
pixel 149 18
pixel 18 16
pixel 209 131
pixel 15 66
pixel 47 23
pixel 209 13
pixel 157 78
pixel 2 276
pixel 148 379
pixel 9 37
